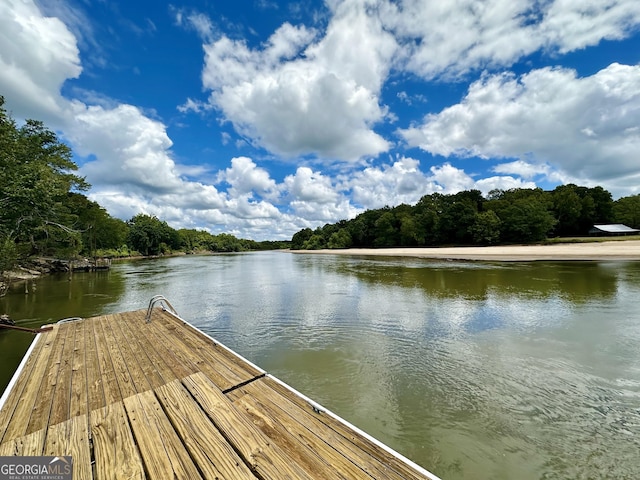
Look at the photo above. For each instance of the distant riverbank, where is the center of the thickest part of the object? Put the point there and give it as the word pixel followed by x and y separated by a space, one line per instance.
pixel 609 250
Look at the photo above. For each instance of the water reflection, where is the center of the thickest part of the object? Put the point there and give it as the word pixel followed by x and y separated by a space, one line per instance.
pixel 477 280
pixel 495 371
pixel 53 297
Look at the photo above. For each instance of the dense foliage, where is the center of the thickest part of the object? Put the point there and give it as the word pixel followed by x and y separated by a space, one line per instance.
pixel 44 213
pixel 35 179
pixel 468 218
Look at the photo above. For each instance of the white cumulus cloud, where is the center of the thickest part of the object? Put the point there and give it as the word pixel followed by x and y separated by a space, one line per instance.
pixel 544 115
pixel 245 177
pixel 390 184
pixel 37 55
pixel 449 39
pixel 296 97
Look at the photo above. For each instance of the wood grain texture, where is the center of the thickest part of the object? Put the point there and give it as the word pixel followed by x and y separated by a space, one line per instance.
pixel 169 350
pixel 214 456
pixel 71 438
pixel 131 359
pixel 115 451
pixel 61 400
pixel 107 371
pixel 39 416
pixel 28 445
pixel 316 456
pixel 79 404
pixel 95 389
pixel 378 461
pixel 255 448
pixel 26 382
pixel 162 451
pixel 140 349
pixel 120 366
pixel 209 357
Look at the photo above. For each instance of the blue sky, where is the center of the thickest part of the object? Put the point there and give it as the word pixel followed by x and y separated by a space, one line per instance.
pixel 260 118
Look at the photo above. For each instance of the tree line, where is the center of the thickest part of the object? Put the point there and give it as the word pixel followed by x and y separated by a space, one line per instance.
pixel 43 211
pixel 469 218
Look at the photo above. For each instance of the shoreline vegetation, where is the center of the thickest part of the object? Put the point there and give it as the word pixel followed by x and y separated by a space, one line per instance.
pixel 34 268
pixel 611 249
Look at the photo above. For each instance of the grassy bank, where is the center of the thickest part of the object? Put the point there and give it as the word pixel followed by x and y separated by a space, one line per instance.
pixel 620 238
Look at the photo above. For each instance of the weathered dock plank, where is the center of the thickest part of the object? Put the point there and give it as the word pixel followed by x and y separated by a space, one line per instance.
pixel 263 457
pixel 306 454
pixel 21 398
pixel 317 430
pixel 39 416
pixel 120 367
pixel 79 404
pixel 61 383
pixel 71 438
pixel 145 371
pixel 374 459
pixel 213 359
pixel 95 390
pixel 28 445
pixel 162 451
pixel 107 371
pixel 115 451
pixel 133 360
pixel 154 363
pixel 174 363
pixel 287 424
pixel 214 456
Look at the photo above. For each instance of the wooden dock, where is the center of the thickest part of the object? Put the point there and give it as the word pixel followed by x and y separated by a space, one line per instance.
pixel 132 399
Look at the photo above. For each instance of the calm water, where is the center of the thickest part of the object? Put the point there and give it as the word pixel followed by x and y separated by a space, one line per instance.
pixel 473 370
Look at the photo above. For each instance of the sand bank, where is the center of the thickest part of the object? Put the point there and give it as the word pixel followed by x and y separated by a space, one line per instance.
pixel 613 250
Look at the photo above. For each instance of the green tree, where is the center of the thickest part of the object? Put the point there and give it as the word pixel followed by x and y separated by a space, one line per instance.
pixel 195 240
pixel 603 205
pixel 151 236
pixel 486 230
pixel 99 229
pixel 509 216
pixel 525 216
pixel 189 240
pixel 299 238
pixel 340 239
pixel 427 214
pixel 315 242
pixel 362 228
pixel 227 243
pixel 626 210
pixel 36 174
pixel 8 254
pixel 578 208
pixel 410 232
pixel 458 216
pixel 387 231
pixel 567 206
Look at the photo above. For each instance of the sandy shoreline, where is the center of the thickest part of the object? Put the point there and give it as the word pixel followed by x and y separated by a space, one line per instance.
pixel 614 250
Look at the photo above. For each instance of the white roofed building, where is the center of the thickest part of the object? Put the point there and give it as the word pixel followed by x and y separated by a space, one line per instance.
pixel 613 229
